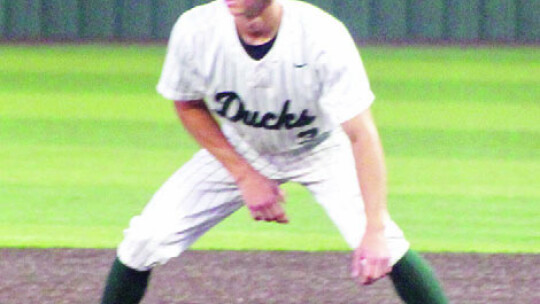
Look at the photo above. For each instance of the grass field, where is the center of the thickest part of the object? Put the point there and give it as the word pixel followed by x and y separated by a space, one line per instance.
pixel 85 141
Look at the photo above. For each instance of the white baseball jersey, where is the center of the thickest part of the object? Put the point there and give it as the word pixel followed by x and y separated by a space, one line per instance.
pixel 310 82
pixel 282 114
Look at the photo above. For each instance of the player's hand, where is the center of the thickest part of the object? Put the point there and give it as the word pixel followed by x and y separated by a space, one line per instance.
pixel 264 198
pixel 371 260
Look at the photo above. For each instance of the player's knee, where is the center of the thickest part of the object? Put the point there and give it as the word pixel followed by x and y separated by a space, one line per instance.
pixel 143 250
pixel 135 250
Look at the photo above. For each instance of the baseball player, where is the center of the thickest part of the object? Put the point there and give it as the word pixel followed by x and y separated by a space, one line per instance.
pixel 273 91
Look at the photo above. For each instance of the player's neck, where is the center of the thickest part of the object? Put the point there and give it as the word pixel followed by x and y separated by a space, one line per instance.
pixel 261 28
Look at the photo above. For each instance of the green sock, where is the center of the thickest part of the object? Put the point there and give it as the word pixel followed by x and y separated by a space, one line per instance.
pixel 415 281
pixel 125 285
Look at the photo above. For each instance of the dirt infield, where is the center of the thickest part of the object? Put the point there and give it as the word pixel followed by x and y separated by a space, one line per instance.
pixel 55 276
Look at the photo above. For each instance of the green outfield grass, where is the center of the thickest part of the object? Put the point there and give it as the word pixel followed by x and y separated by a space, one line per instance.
pixel 85 141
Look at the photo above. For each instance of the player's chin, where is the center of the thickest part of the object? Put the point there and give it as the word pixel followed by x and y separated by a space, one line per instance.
pixel 236 12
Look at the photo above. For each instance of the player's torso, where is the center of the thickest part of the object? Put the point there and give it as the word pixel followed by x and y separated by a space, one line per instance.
pixel 271 103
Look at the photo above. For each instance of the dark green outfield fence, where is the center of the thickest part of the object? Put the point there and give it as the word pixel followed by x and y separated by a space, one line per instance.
pixel 515 21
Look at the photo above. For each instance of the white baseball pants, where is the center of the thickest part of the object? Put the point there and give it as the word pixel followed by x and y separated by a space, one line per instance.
pixel 202 193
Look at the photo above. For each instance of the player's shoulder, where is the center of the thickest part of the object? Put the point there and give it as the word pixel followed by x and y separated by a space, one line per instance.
pixel 310 14
pixel 205 17
pixel 304 7
pixel 314 22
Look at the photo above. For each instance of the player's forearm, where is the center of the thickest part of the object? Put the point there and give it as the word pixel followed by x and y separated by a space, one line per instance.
pixel 372 178
pixel 370 168
pixel 198 121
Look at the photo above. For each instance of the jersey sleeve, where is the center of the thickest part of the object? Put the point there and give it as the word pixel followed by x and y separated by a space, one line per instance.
pixel 345 86
pixel 180 78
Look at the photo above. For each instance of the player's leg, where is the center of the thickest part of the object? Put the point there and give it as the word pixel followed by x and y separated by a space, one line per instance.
pixel 125 285
pixel 193 200
pixel 415 282
pixel 333 182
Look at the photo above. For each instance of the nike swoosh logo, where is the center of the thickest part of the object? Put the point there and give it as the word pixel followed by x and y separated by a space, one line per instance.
pixel 299 66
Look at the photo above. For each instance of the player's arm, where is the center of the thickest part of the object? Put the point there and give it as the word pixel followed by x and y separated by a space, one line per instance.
pixel 372 258
pixel 261 195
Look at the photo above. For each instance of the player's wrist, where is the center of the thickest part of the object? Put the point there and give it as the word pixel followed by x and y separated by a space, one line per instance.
pixel 240 170
pixel 243 173
pixel 375 226
pixel 376 218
